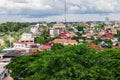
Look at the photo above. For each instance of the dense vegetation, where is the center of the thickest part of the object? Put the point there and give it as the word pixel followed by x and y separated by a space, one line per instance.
pixel 12 26
pixel 77 62
pixel 10 32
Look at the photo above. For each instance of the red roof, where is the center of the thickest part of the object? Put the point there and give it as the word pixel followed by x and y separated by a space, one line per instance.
pixel 69 41
pixel 63 34
pixel 108 35
pixel 45 47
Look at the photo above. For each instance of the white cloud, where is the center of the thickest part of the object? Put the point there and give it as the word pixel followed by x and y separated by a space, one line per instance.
pixel 50 8
pixel 74 8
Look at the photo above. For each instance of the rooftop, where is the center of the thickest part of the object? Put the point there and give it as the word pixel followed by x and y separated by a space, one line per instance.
pixel 64 41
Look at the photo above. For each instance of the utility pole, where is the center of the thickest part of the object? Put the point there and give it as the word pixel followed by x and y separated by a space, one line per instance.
pixel 65 10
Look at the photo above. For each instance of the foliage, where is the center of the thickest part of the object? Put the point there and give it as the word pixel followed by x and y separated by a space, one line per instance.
pixel 118 35
pixel 12 26
pixel 101 25
pixel 6 41
pixel 76 38
pixel 43 38
pixel 57 46
pixel 77 62
pixel 97 42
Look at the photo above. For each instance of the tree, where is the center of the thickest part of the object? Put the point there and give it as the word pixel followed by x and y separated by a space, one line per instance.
pixel 40 40
pixel 73 62
pixel 57 46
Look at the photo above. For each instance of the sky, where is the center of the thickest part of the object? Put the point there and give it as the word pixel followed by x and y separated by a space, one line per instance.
pixel 53 10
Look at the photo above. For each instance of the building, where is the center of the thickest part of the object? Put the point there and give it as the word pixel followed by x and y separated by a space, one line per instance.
pixel 27 38
pixel 63 34
pixel 19 45
pixel 34 29
pixel 65 41
pixel 59 26
pixel 107 27
pixel 71 34
pixel 26 35
pixel 114 31
pixel 44 47
pixel 54 32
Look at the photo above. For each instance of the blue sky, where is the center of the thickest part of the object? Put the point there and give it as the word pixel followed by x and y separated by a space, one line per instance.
pixel 53 10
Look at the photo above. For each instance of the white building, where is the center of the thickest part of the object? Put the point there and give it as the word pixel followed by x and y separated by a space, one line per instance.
pixel 26 35
pixel 54 32
pixel 27 38
pixel 34 29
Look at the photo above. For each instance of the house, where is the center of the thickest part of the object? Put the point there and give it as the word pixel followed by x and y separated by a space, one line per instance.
pixel 19 45
pixel 27 38
pixel 63 34
pixel 108 35
pixel 34 29
pixel 71 34
pixel 44 47
pixel 59 26
pixel 53 32
pixel 114 41
pixel 101 33
pixel 107 27
pixel 114 31
pixel 26 35
pixel 65 41
pixel 87 35
pixel 117 25
pixel 42 30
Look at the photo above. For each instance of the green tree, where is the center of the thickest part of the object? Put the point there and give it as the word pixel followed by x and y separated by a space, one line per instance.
pixel 77 62
pixel 57 46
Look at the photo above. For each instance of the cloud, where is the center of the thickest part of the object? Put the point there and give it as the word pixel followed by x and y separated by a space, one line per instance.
pixel 50 8
pixel 74 8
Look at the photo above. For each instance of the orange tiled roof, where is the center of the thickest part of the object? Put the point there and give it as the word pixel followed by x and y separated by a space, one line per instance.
pixel 64 41
pixel 58 25
pixel 71 33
